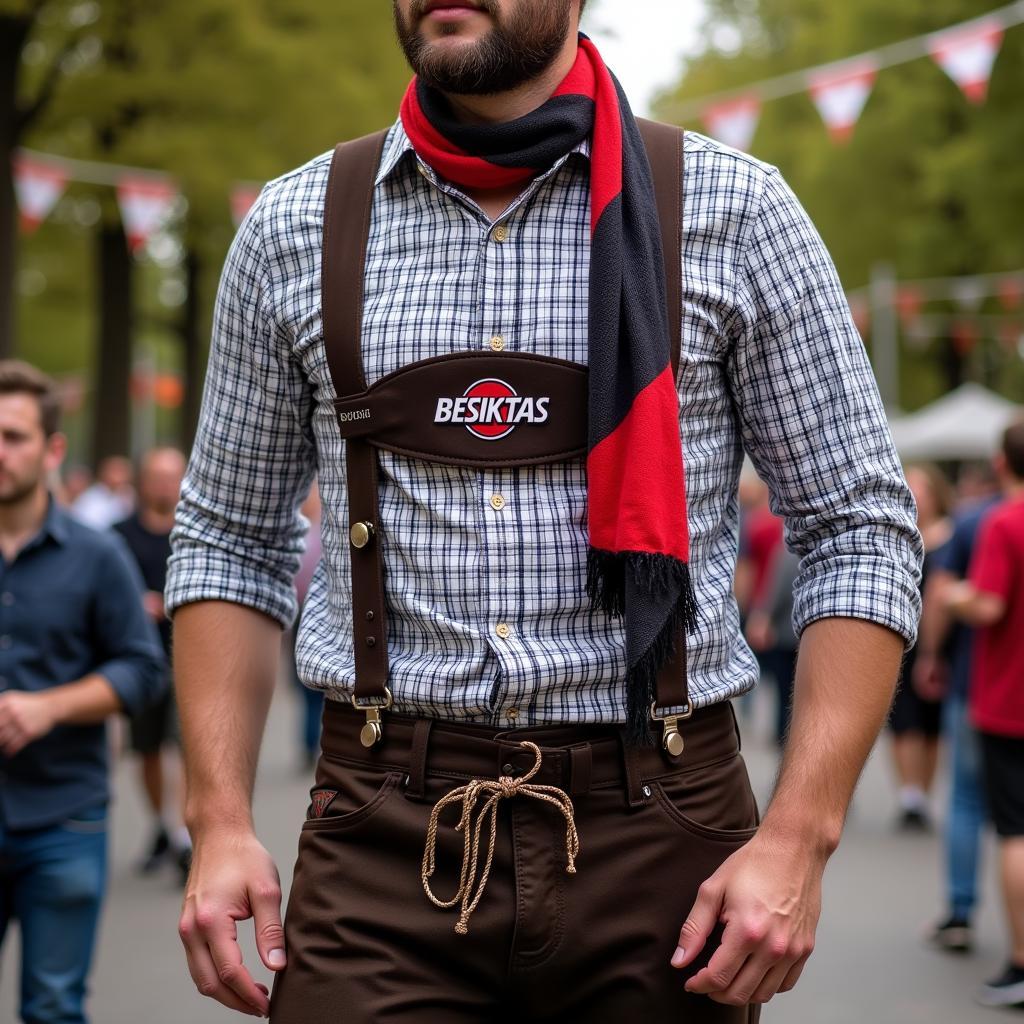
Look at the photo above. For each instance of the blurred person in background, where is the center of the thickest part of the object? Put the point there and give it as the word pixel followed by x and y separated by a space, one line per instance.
pixel 110 498
pixel 992 601
pixel 492 637
pixel 154 733
pixel 75 648
pixel 311 701
pixel 942 670
pixel 771 634
pixel 73 482
pixel 915 721
pixel 760 541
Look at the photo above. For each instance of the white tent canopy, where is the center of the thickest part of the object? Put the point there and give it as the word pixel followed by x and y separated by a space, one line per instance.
pixel 965 424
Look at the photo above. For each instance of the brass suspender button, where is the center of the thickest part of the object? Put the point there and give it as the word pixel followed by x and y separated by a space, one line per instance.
pixel 500 233
pixel 497 343
pixel 360 534
pixel 673 744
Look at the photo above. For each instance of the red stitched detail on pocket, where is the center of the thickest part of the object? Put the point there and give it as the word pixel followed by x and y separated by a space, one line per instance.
pixel 321 800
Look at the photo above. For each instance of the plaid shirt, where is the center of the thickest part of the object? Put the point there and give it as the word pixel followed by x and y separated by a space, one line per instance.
pixel 488 616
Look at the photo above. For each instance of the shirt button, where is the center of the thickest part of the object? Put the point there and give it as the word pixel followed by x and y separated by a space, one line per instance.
pixel 497 502
pixel 512 713
pixel 500 233
pixel 497 343
pixel 503 630
pixel 7 597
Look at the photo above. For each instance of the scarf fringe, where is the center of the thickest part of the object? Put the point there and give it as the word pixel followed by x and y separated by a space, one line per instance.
pixel 652 573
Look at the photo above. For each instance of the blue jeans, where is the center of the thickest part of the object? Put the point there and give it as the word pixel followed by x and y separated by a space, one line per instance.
pixel 967 813
pixel 53 880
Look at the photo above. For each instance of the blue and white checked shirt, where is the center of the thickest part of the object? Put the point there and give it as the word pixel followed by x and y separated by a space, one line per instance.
pixel 489 621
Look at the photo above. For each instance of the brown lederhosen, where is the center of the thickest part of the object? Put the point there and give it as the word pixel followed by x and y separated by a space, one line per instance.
pixel 364 942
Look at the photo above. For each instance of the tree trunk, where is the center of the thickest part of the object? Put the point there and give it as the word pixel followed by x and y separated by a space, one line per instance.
pixel 194 361
pixel 111 407
pixel 13 32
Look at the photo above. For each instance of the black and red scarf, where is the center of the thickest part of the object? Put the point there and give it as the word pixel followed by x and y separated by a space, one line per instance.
pixel 639 543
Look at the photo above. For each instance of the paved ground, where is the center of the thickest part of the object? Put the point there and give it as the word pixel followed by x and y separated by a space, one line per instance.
pixel 869 967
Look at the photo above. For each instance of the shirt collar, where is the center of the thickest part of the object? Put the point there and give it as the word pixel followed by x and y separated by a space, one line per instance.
pixel 399 145
pixel 55 524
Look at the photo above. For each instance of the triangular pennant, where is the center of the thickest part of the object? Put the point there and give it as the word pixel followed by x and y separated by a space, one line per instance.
pixel 320 800
pixel 968 54
pixel 840 94
pixel 909 301
pixel 145 203
pixel 734 122
pixel 38 185
pixel 242 197
pixel 1011 292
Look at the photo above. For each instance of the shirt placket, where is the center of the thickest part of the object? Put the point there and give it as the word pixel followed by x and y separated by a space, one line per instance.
pixel 501 505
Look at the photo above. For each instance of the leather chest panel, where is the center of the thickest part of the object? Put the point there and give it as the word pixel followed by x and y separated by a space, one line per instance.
pixel 474 409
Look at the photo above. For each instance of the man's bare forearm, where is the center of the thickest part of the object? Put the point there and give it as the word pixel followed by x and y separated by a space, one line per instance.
pixel 225 667
pixel 845 677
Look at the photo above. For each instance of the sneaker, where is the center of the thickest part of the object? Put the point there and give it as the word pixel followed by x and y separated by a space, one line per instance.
pixel 952 935
pixel 914 820
pixel 183 859
pixel 158 852
pixel 1006 990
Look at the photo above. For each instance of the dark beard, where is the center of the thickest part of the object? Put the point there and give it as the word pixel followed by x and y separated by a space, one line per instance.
pixel 509 55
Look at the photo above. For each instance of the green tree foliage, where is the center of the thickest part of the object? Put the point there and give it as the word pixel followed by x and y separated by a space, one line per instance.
pixel 213 92
pixel 929 182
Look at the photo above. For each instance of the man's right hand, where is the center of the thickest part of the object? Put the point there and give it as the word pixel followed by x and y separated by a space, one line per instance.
pixel 232 879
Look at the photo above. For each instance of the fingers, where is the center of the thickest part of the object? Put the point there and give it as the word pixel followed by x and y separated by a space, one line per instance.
pixel 751 965
pixel 204 975
pixel 738 942
pixel 266 912
pixel 215 960
pixel 699 924
pixel 757 981
pixel 793 975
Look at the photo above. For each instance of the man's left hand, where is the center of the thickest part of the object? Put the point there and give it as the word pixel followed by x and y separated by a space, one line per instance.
pixel 24 717
pixel 768 894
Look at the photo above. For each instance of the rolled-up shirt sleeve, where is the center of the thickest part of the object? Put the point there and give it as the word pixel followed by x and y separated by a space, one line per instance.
pixel 238 533
pixel 813 425
pixel 127 641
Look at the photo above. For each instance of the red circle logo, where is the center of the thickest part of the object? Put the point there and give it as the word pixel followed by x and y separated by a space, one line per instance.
pixel 492 419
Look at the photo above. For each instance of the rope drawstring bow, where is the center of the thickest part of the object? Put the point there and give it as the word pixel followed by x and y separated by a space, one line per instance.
pixel 506 786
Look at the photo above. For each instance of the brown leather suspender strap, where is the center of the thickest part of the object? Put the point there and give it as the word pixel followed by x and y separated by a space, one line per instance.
pixel 664 144
pixel 348 206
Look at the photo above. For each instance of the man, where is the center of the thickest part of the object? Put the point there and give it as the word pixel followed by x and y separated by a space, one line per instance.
pixel 147 533
pixel 75 648
pixel 111 498
pixel 943 639
pixel 992 601
pixel 609 858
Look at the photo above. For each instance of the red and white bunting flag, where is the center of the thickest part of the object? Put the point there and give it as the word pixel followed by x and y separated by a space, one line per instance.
pixel 840 94
pixel 145 204
pixel 967 55
pixel 38 185
pixel 242 198
pixel 734 122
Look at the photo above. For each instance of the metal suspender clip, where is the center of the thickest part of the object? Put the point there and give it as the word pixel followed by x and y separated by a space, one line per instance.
pixel 373 732
pixel 671 738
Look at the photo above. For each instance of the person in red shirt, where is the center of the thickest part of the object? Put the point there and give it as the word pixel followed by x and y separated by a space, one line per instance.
pixel 992 600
